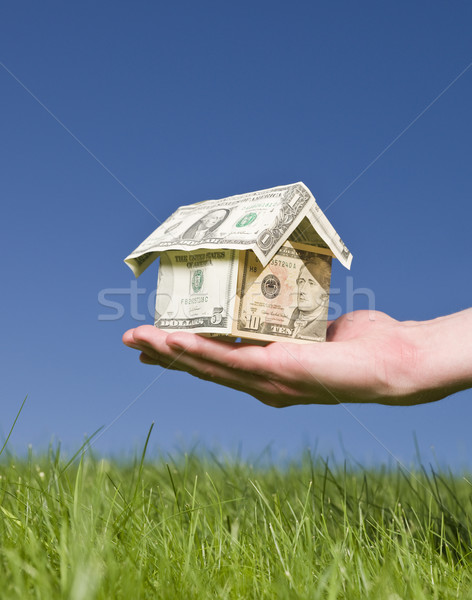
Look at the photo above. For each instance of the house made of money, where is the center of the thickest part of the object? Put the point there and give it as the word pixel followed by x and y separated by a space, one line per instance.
pixel 255 266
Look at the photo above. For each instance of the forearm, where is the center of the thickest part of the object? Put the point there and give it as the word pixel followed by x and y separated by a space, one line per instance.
pixel 444 354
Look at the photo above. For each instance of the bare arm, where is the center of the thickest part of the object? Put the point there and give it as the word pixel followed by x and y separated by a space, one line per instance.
pixel 368 357
pixel 445 352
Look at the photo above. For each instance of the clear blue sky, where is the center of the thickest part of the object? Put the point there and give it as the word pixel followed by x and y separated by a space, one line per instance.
pixel 186 101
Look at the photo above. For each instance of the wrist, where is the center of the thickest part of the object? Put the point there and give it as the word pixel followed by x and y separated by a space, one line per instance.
pixel 443 349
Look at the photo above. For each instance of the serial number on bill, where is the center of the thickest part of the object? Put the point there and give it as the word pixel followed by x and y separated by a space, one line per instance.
pixel 276 262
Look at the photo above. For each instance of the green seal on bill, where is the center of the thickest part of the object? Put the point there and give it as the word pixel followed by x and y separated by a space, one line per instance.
pixel 247 219
pixel 197 280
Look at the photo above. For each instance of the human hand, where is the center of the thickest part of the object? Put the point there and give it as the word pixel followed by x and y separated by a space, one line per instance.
pixel 368 357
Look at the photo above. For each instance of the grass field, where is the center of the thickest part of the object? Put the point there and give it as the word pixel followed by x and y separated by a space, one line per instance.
pixel 198 527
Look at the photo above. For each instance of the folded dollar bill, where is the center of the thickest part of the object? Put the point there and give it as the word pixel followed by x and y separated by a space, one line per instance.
pixel 255 266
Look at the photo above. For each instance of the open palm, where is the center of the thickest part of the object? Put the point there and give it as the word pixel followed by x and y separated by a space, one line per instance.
pixel 368 357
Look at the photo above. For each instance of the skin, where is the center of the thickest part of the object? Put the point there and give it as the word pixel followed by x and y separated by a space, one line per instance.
pixel 368 357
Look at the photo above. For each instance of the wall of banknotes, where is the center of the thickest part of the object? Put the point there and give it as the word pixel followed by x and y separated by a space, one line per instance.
pixel 255 266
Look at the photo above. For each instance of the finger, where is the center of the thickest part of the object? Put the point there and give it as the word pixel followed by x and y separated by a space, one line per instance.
pixel 138 338
pixel 148 360
pixel 156 351
pixel 263 395
pixel 158 354
pixel 211 371
pixel 165 364
pixel 128 339
pixel 259 369
pixel 228 353
pixel 152 341
pixel 283 365
pixel 264 390
pixel 149 334
pixel 170 360
pixel 245 357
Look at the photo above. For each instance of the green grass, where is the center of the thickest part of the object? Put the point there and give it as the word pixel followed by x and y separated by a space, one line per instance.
pixel 198 527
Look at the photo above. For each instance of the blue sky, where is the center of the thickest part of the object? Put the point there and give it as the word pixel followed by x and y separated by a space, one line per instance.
pixel 107 108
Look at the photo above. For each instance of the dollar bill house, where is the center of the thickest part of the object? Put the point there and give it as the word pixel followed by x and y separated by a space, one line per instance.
pixel 255 266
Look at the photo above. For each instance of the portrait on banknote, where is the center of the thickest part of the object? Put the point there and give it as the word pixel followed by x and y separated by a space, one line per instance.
pixel 288 298
pixel 308 319
pixel 206 225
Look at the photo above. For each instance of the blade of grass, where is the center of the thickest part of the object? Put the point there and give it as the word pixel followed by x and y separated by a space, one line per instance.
pixel 13 426
pixel 87 441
